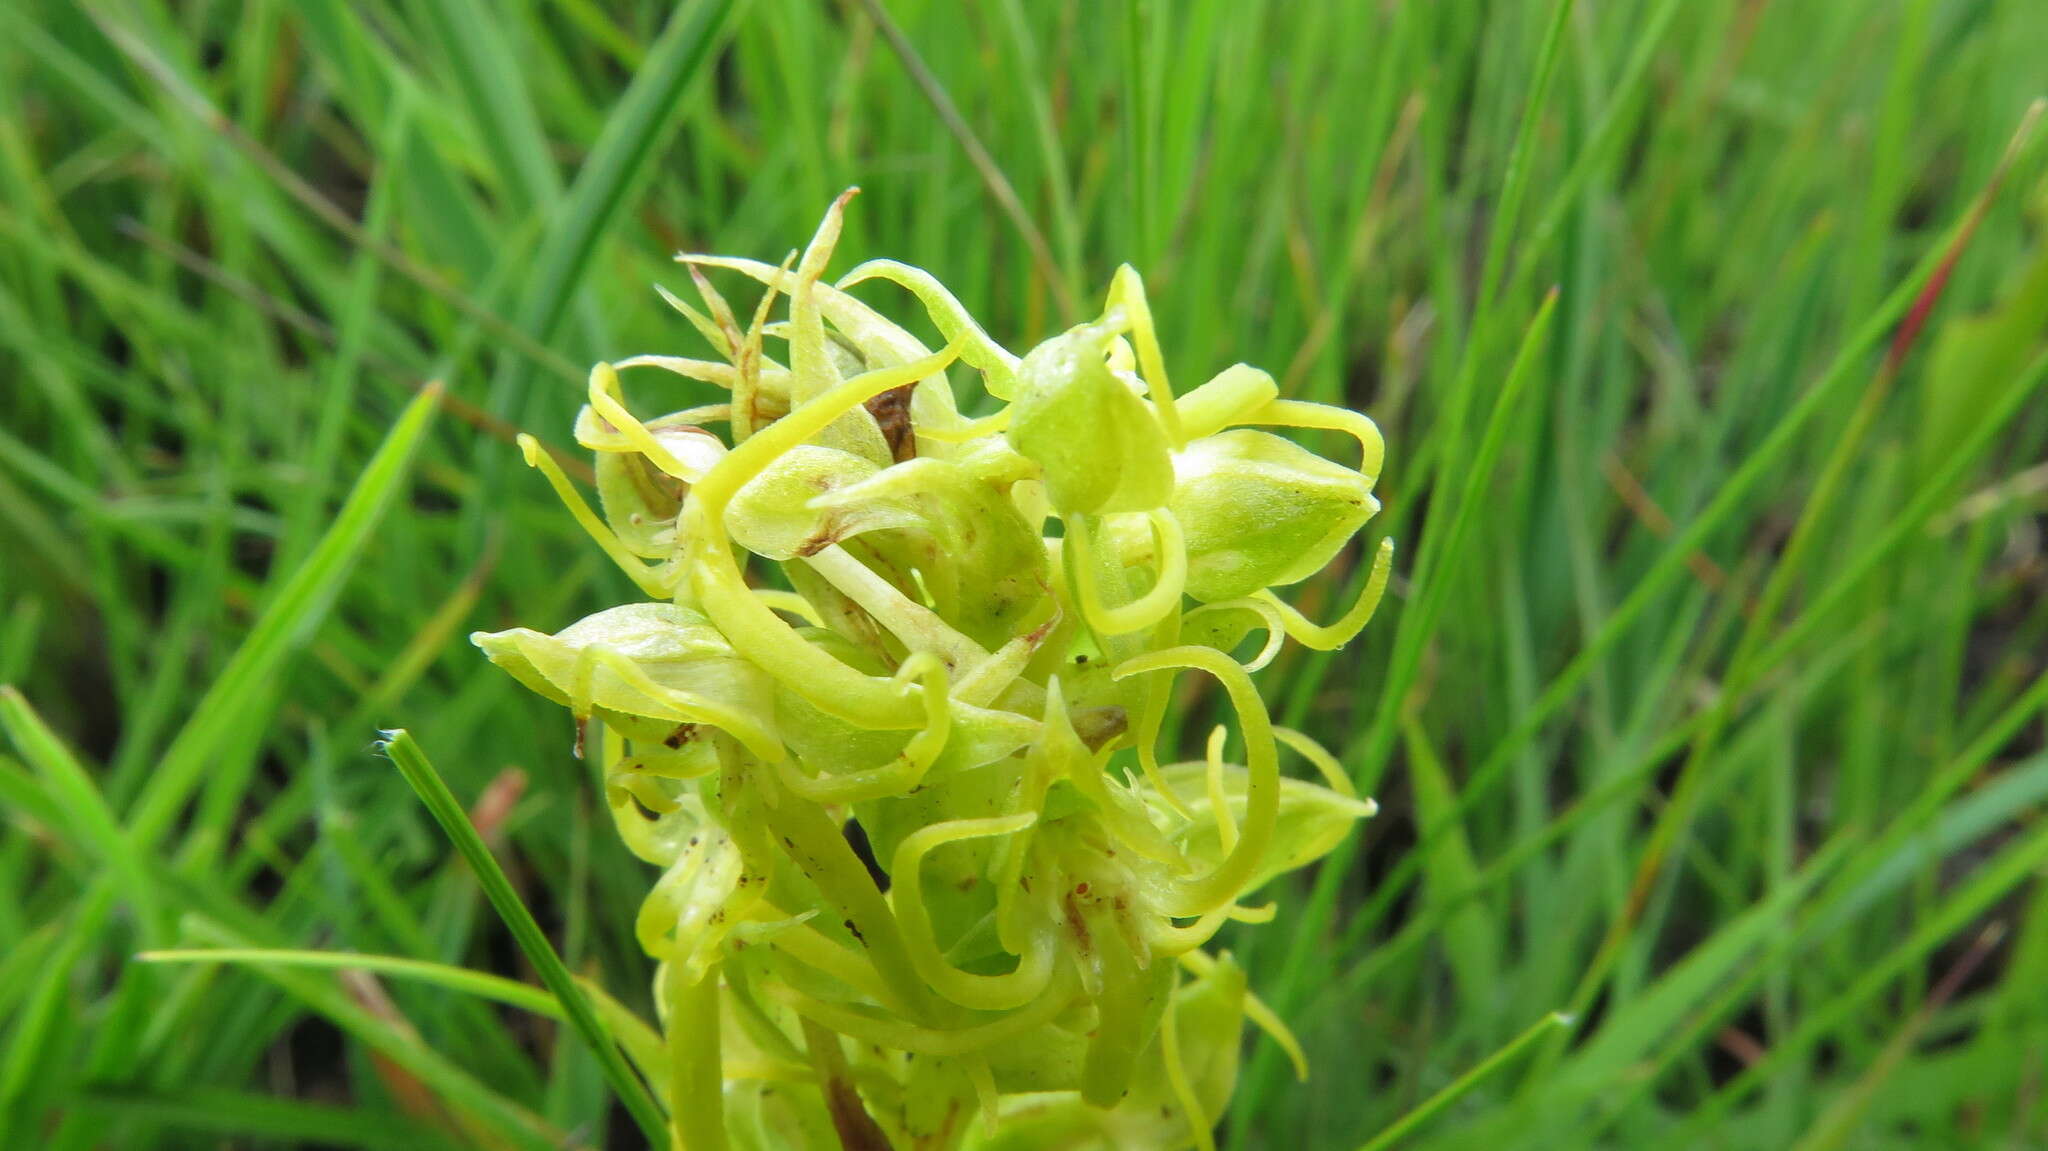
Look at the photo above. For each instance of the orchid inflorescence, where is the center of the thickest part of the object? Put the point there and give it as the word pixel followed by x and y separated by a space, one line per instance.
pixel 1018 961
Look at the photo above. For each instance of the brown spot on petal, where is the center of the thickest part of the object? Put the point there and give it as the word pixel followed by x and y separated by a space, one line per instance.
pixel 1077 927
pixel 891 410
pixel 816 544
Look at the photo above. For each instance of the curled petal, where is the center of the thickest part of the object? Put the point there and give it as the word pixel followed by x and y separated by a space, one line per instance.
pixel 1319 757
pixel 1372 447
pixel 1162 597
pixel 1255 1009
pixel 1213 625
pixel 1234 873
pixel 1127 294
pixel 907 769
pixel 977 350
pixel 688 466
pixel 1232 396
pixel 1198 1121
pixel 1226 819
pixel 1336 635
pixel 657 581
pixel 981 992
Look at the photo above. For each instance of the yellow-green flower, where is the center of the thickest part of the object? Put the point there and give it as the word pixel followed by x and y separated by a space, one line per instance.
pixel 965 661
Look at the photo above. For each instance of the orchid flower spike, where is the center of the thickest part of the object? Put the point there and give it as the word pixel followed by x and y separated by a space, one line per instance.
pixel 926 879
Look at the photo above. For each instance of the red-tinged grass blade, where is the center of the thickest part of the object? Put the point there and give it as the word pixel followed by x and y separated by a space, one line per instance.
pixel 1916 318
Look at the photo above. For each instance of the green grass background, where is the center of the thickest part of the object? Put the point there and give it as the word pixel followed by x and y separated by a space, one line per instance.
pixel 1706 706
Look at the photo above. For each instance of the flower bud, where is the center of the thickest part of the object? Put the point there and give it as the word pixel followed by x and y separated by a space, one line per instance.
pixel 645 669
pixel 776 514
pixel 1101 447
pixel 640 500
pixel 1260 511
pixel 983 566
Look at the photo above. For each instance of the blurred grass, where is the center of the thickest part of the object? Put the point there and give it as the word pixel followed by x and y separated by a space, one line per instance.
pixel 1709 706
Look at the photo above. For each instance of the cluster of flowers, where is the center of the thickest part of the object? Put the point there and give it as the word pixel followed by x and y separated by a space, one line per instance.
pixel 977 616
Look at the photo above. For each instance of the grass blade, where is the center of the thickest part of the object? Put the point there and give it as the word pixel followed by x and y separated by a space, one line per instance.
pixel 510 992
pixel 286 625
pixel 992 177
pixel 448 812
pixel 632 135
pixel 76 796
pixel 1435 1104
pixel 247 1115
pixel 477 1104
